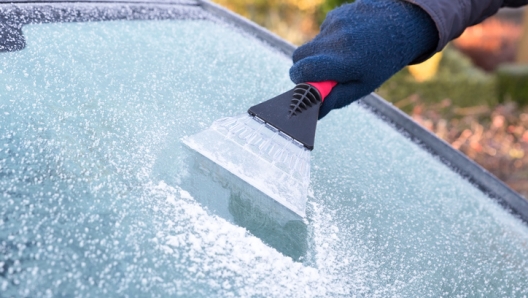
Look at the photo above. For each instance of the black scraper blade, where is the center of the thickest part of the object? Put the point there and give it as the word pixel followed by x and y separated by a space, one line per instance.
pixel 294 113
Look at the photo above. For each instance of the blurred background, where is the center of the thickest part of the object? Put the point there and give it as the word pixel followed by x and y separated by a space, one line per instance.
pixel 474 94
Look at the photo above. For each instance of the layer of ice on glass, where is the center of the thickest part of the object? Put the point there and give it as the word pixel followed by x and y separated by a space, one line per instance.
pixel 95 184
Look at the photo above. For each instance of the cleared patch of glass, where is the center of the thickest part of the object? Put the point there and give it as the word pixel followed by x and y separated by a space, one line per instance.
pixel 98 196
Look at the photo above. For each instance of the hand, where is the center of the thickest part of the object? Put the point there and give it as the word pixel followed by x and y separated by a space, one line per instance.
pixel 361 45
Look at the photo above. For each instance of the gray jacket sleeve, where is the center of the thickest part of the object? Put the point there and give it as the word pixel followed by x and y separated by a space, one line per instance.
pixel 453 16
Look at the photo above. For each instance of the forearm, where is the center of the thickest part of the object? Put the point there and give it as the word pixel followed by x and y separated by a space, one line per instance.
pixel 453 16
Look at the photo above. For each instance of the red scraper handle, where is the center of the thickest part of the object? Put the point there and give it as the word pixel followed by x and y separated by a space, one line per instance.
pixel 323 87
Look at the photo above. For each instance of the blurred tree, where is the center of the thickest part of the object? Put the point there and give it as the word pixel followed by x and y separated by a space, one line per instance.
pixel 328 5
pixel 522 52
pixel 294 20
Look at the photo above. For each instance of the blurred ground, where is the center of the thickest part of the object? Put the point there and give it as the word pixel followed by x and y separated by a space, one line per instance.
pixel 465 102
pixel 496 138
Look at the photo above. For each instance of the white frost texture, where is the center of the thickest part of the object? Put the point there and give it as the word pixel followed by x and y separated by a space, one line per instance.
pixel 100 198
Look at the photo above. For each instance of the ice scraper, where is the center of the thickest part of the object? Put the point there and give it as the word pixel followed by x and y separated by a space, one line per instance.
pixel 269 147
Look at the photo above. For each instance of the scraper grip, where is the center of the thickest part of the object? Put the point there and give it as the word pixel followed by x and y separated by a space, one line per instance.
pixel 323 87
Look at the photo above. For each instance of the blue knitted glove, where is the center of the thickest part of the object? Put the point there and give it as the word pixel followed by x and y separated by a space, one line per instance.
pixel 361 45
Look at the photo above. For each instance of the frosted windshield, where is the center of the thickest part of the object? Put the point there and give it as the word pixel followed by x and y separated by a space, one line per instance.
pixel 99 197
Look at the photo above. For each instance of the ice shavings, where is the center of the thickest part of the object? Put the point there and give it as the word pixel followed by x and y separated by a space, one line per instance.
pixel 227 258
pixel 258 156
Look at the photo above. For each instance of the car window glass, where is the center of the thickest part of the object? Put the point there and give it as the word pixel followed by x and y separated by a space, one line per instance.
pixel 100 197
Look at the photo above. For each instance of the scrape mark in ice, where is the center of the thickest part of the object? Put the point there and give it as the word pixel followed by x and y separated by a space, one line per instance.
pixel 219 250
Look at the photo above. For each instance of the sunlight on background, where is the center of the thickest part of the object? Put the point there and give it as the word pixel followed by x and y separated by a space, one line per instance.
pixel 294 20
pixel 427 69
